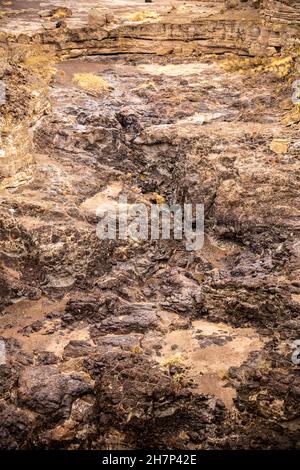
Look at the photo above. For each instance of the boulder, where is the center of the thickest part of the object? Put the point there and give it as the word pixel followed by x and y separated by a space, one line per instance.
pixel 100 17
pixel 45 390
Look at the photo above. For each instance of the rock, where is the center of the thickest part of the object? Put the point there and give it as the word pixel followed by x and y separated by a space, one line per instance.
pixel 131 317
pixel 172 129
pixel 83 409
pixel 86 308
pixel 64 432
pixel 292 117
pixel 46 358
pixel 134 395
pixel 123 341
pixel 280 146
pixel 8 380
pixel 44 13
pixel 56 13
pixel 100 17
pixel 15 427
pixel 231 4
pixel 78 348
pixel 45 390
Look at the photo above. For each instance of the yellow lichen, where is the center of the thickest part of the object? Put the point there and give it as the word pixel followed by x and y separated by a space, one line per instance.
pixel 42 64
pixel 136 349
pixel 39 60
pixel 91 83
pixel 281 66
pixel 176 360
pixel 178 377
pixel 142 15
pixel 159 199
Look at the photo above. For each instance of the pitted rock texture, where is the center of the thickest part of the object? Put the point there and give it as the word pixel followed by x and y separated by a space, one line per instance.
pixel 126 344
pixel 148 400
pixel 45 390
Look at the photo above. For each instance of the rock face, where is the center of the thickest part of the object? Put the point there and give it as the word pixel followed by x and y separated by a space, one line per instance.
pixel 284 11
pixel 206 27
pixel 100 17
pixel 24 103
pixel 15 427
pixel 137 344
pixel 147 400
pixel 45 390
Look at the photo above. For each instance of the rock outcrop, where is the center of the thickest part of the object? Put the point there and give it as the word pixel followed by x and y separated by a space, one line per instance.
pixel 103 342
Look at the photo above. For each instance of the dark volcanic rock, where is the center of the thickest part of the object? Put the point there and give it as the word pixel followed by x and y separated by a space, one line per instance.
pixel 78 348
pixel 47 391
pixel 15 427
pixel 135 398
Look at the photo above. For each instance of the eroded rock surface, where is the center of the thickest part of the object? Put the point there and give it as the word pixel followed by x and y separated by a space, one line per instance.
pixel 103 342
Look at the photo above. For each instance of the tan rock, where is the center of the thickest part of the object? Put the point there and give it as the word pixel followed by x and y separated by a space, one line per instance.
pixel 292 117
pixel 100 17
pixel 56 13
pixel 65 431
pixel 279 146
